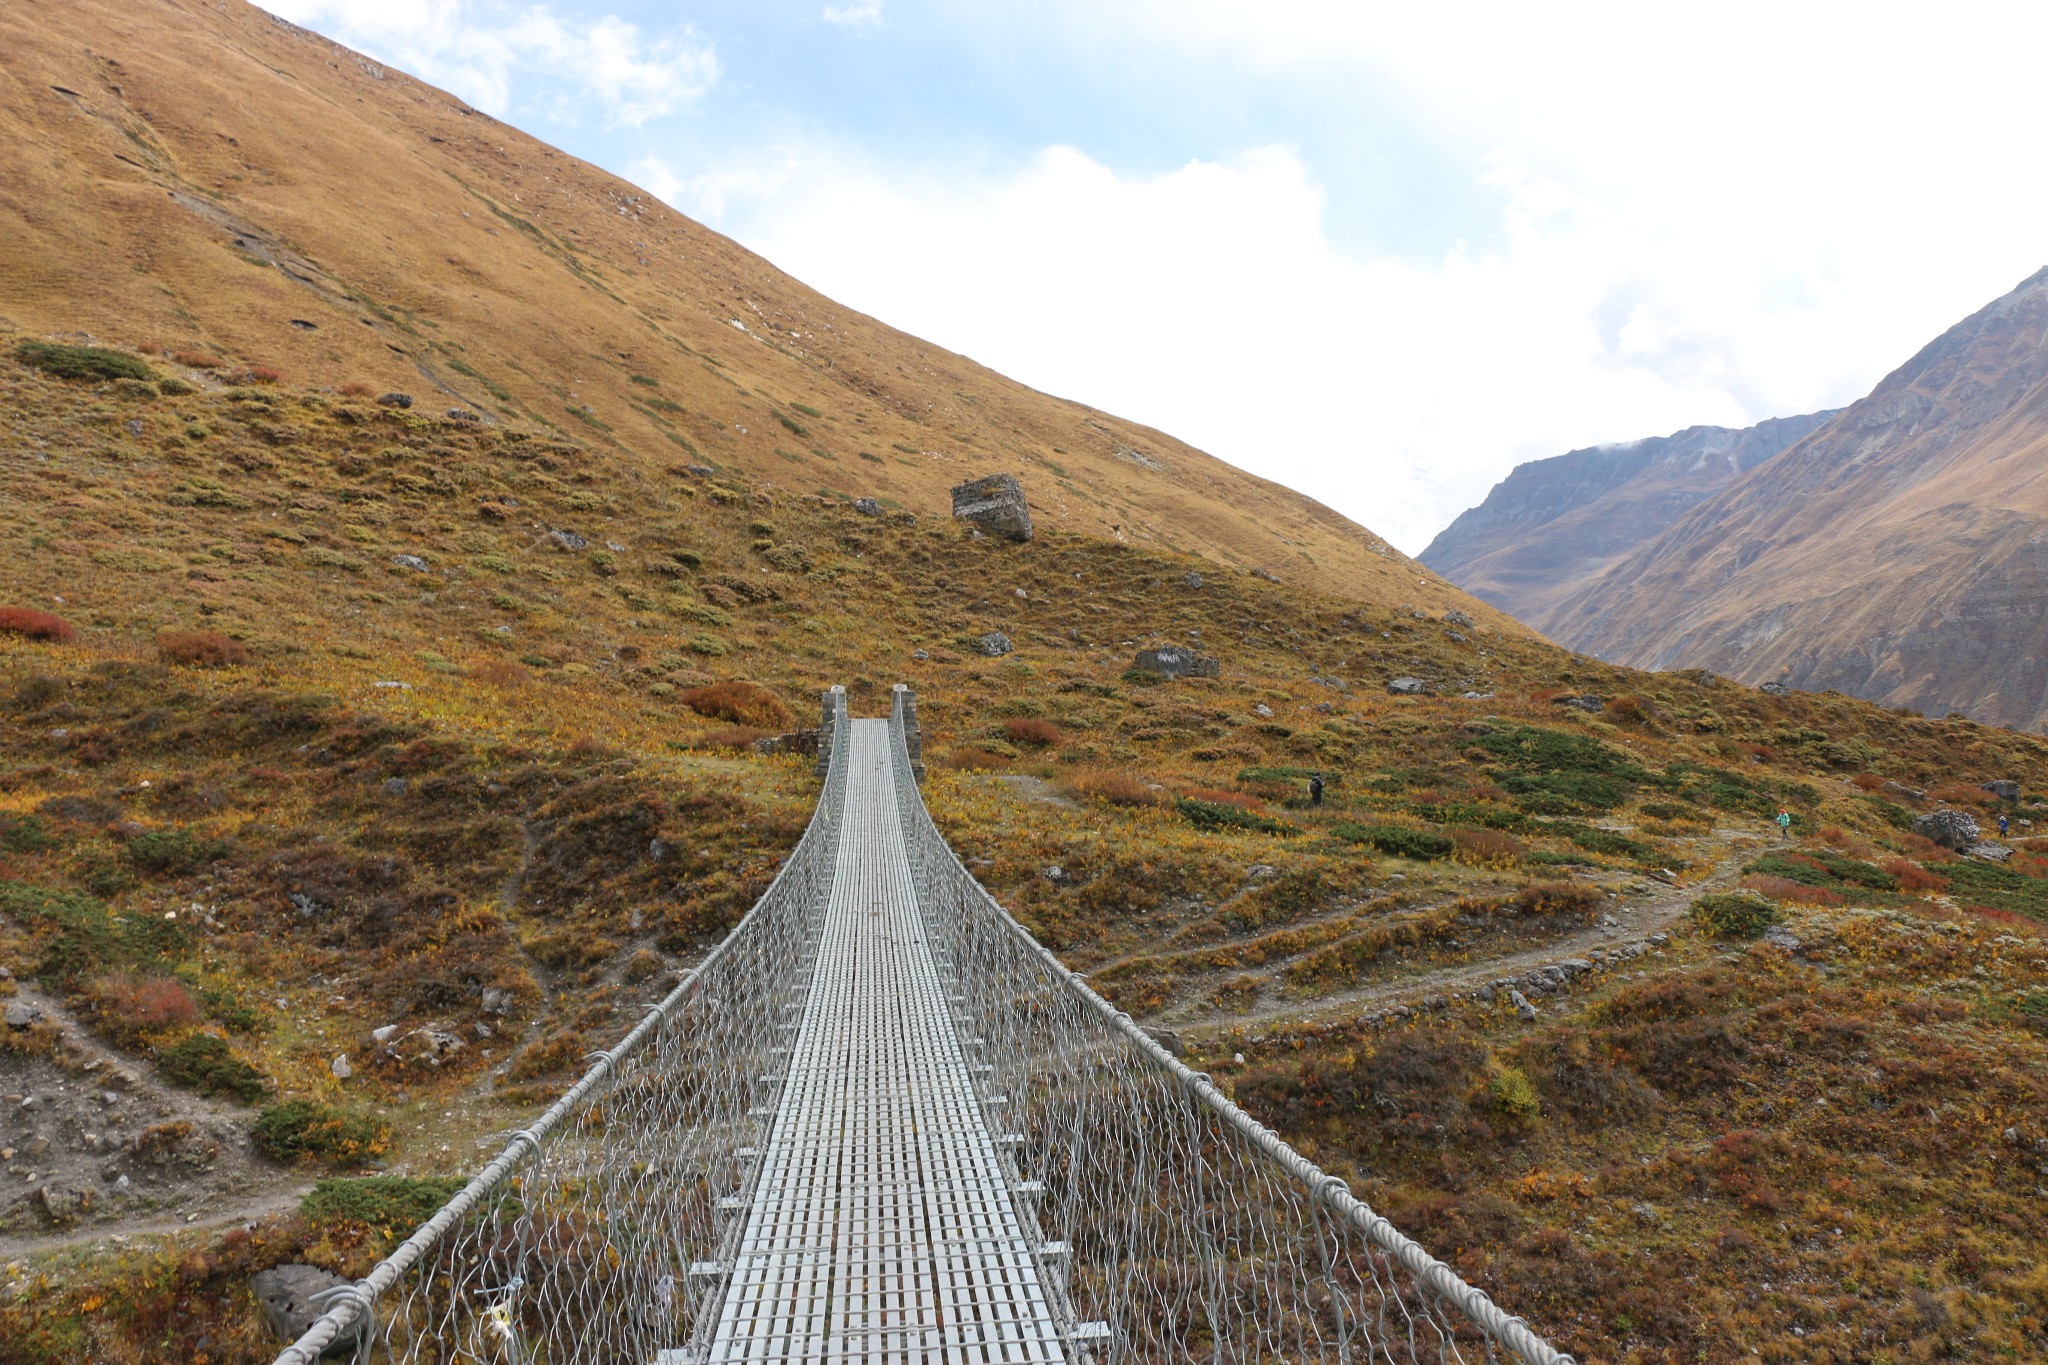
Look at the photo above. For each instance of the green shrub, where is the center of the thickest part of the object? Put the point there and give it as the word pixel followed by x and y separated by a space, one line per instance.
pixel 1734 915
pixel 81 362
pixel 1221 815
pixel 1397 841
pixel 174 852
pixel 393 1205
pixel 25 834
pixel 1596 840
pixel 205 1063
pixel 1145 677
pixel 299 1130
pixel 88 939
pixel 1513 1097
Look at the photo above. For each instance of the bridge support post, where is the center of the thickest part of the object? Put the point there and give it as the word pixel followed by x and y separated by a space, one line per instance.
pixel 834 712
pixel 903 712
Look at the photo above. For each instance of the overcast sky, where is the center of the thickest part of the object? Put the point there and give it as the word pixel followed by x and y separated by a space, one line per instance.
pixel 1379 253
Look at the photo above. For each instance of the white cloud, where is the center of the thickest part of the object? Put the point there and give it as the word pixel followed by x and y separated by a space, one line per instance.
pixel 861 13
pixel 506 60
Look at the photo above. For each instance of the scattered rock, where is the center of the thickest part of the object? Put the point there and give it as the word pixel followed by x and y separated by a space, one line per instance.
pixel 1475 696
pixel 867 507
pixel 1176 662
pixel 1169 1040
pixel 1776 689
pixel 1454 617
pixel 994 645
pixel 1059 876
pixel 921 655
pixel 293 1299
pixel 803 742
pixel 1779 936
pixel 1263 711
pixel 1952 829
pixel 136 426
pixel 1989 852
pixel 1408 687
pixel 464 415
pixel 569 540
pixel 1586 702
pixel 340 1067
pixel 61 1204
pixel 394 400
pixel 2003 790
pixel 384 1034
pixel 23 1014
pixel 1525 1010
pixel 996 505
pixel 412 562
pixel 1193 580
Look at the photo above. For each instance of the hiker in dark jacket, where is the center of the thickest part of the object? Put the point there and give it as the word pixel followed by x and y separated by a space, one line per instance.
pixel 1315 789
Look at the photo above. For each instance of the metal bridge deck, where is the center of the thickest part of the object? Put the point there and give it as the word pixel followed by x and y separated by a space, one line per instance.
pixel 883 1224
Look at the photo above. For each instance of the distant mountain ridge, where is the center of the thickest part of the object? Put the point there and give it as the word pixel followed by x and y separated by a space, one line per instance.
pixel 1555 525
pixel 1898 553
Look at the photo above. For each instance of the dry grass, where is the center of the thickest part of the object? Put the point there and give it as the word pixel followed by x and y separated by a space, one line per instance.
pixel 201 649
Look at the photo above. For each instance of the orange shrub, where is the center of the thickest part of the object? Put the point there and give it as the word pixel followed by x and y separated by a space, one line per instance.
pixel 1791 892
pixel 1961 794
pixel 731 737
pixel 498 673
pixel 257 374
pixel 196 360
pixel 1028 730
pixel 970 758
pixel 1557 898
pixel 742 703
pixel 201 649
pixel 1114 789
pixel 1868 782
pixel 1628 709
pixel 36 625
pixel 1219 796
pixel 1488 846
pixel 1925 850
pixel 356 388
pixel 1913 877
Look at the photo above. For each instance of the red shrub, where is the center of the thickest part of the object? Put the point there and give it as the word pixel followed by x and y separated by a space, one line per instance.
pixel 196 360
pixel 1913 877
pixel 1961 794
pixel 201 649
pixel 36 625
pixel 1038 734
pixel 1868 782
pixel 969 758
pixel 257 374
pixel 1925 850
pixel 742 703
pixel 135 1006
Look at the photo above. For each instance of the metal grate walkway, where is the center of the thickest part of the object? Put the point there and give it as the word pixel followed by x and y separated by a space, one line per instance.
pixel 885 1223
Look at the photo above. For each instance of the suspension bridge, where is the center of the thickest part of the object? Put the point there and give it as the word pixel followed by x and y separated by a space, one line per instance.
pixel 880 1122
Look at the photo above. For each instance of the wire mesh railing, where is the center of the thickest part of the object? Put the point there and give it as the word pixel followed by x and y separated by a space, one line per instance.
pixel 1173 1227
pixel 1194 1232
pixel 596 1233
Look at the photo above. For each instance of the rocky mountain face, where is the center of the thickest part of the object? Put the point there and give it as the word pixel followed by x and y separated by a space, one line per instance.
pixel 209 180
pixel 1553 526
pixel 1898 553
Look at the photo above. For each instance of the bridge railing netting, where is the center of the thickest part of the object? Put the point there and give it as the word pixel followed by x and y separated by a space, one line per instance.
pixel 1194 1232
pixel 595 1236
pixel 601 1233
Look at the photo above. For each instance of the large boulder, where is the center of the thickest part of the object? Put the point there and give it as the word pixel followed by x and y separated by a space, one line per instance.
pixel 2004 790
pixel 1956 829
pixel 995 503
pixel 1176 662
pixel 290 1296
pixel 1408 687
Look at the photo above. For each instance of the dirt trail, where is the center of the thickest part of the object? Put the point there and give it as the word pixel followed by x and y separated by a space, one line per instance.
pixel 93 1144
pixel 1628 923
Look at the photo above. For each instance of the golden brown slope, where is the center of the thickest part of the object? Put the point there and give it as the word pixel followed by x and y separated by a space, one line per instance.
pixel 1895 554
pixel 213 180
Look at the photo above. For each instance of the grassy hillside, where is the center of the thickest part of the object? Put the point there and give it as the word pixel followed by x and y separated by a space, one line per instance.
pixel 246 194
pixel 369 720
